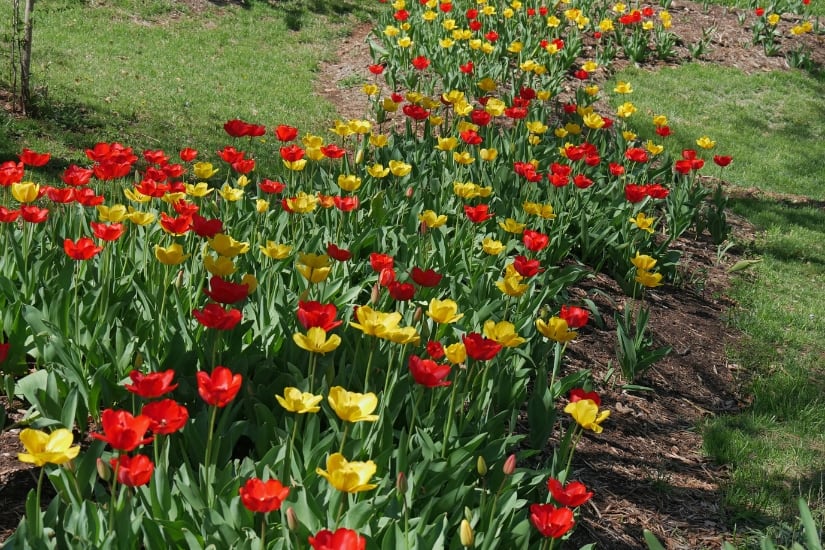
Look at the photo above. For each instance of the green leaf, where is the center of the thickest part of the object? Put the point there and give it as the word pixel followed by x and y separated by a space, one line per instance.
pixel 652 542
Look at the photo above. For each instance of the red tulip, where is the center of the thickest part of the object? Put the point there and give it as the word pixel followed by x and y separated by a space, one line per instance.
pixel 338 254
pixel 243 166
pixel 428 373
pixel 572 494
pixel 551 521
pixel 576 317
pixel 286 133
pixel 526 267
pixel 721 160
pixel 30 158
pixel 345 204
pixel 167 416
pixel 8 216
pixel 342 539
pixel 401 292
pixel 480 348
pixel 122 431
pixel 214 316
pixel 188 154
pixel 292 153
pixel 578 394
pixel 106 231
pixel 152 385
pixel 11 172
pixel 426 278
pixel 155 157
pixel 4 351
pixel 315 314
pixel 206 228
pixel 634 193
pixel 333 151
pixel 132 471
pixel 226 292
pixel 263 496
pixel 62 195
pixel 220 387
pixel 420 62
pixel 636 154
pixel 230 154
pixel 380 261
pixel 269 186
pixel 534 241
pixel 34 214
pixel 478 214
pixel 83 249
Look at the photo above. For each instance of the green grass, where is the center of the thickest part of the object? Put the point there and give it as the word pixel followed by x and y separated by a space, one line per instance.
pixel 773 125
pixel 151 76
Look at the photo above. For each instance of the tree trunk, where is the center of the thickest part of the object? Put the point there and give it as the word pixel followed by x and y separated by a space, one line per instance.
pixel 26 57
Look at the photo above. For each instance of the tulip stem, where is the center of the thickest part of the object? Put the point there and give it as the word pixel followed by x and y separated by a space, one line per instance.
pixel 313 361
pixel 288 460
pixel 449 425
pixel 210 493
pixel 344 438
pixel 263 532
pixel 369 365
pixel 113 499
pixel 76 304
pixel 577 435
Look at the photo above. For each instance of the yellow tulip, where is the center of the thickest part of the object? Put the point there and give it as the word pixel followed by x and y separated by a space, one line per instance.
pixel 275 251
pixel 648 279
pixel 489 154
pixel 503 332
pixel 399 168
pixel 136 196
pixel 140 218
pixel 227 246
pixel 200 189
pixel 294 400
pixel 349 182
pixel 443 311
pixel 220 266
pixel 302 203
pixel 512 285
pixel 349 477
pixel 555 329
pixel 705 142
pixel 492 247
pixel 447 143
pixel 230 194
pixel 643 222
pixel 379 140
pixel 261 206
pixel 626 109
pixel 353 406
pixel 643 262
pixel 115 213
pixel 313 267
pixel 25 191
pixel 431 219
pixel 42 448
pixel 295 165
pixel 375 323
pixel 512 226
pixel 170 255
pixel 456 353
pixel 316 341
pixel 204 170
pixel 586 414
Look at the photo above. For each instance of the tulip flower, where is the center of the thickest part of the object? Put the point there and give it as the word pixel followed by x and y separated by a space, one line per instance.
pixel 167 416
pixel 25 191
pixel 428 373
pixel 275 251
pixel 152 385
pixel 572 494
pixel 375 323
pixel 132 471
pixel 503 332
pixel 353 406
pixel 586 414
pixel 215 316
pixel 443 311
pixel 227 246
pixel 226 292
pixel 575 317
pixel 122 431
pixel 263 496
pixel 556 329
pixel 294 400
pixel 550 521
pixel 480 348
pixel 341 539
pixel 220 387
pixel 83 249
pixel 648 279
pixel 316 341
pixel 170 255
pixel 643 222
pixel 315 268
pixel 349 477
pixel 47 448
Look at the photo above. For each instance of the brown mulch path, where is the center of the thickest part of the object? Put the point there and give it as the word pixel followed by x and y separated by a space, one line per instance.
pixel 647 468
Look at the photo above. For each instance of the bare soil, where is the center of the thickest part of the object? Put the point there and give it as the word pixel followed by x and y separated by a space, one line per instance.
pixel 647 468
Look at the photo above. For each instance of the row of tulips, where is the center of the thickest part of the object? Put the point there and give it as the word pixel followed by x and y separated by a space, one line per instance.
pixel 391 304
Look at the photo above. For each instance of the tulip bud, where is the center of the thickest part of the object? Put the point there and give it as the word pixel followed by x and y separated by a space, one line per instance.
pixel 409 192
pixel 465 533
pixel 179 279
pixel 481 466
pixel 103 470
pixel 401 483
pixel 291 519
pixel 359 156
pixel 509 465
pixel 376 293
pixel 138 361
pixel 418 314
pixel 422 228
